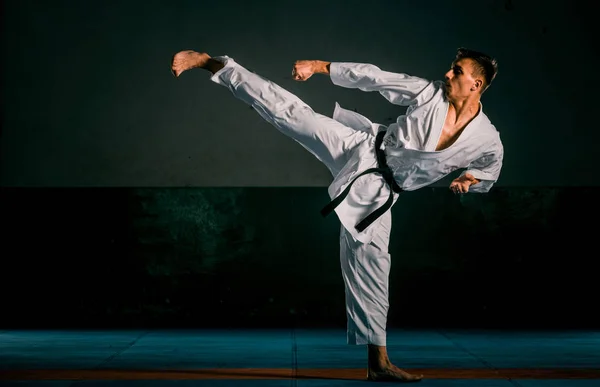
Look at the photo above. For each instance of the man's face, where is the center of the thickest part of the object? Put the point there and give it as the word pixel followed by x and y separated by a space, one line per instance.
pixel 459 80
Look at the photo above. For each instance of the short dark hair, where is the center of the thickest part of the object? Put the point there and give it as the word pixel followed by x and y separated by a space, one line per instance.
pixel 485 65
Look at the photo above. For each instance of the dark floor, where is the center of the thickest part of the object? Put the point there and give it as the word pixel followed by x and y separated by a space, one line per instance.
pixel 449 358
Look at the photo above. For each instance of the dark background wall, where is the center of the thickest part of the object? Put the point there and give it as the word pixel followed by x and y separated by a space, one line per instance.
pixel 89 99
pixel 265 257
pixel 130 198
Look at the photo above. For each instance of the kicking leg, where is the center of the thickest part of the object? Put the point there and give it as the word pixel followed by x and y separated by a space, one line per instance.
pixel 365 270
pixel 327 139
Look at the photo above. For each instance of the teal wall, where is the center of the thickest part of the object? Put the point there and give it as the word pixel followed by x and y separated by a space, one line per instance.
pixel 89 99
pixel 266 257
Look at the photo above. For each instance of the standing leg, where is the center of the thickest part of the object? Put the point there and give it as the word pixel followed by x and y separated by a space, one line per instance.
pixel 365 270
pixel 327 139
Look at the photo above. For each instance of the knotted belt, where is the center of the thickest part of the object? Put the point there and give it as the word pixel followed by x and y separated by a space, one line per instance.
pixel 388 176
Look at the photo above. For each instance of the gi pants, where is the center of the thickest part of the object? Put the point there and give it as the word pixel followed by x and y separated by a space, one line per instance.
pixel 365 266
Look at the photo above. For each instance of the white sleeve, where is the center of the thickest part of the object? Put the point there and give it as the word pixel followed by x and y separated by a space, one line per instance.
pixel 486 169
pixel 398 88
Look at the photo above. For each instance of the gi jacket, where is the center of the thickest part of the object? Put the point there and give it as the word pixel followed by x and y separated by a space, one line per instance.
pixel 409 143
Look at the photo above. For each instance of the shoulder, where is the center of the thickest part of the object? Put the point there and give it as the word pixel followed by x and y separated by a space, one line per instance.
pixel 432 92
pixel 486 126
pixel 489 134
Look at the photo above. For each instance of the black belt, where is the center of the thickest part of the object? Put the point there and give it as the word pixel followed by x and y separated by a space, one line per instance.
pixel 388 176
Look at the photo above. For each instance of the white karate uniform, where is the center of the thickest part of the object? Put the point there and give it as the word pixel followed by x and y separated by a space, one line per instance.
pixel 345 144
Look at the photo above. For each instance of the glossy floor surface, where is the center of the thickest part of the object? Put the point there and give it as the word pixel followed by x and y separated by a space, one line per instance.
pixel 310 358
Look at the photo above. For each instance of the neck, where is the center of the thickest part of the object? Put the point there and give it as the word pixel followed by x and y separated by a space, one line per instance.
pixel 466 108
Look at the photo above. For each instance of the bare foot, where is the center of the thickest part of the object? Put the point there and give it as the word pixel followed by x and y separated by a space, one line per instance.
pixel 381 368
pixel 187 60
pixel 391 373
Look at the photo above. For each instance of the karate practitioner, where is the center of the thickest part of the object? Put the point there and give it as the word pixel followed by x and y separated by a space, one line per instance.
pixel 443 130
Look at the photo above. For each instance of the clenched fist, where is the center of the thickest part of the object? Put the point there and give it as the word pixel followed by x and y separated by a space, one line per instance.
pixel 304 69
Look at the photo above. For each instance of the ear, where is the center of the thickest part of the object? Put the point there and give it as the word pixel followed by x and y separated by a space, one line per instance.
pixel 477 85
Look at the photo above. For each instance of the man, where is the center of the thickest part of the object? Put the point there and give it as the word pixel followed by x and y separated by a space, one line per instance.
pixel 444 129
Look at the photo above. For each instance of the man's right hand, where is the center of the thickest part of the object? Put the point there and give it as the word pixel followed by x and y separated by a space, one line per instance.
pixel 304 69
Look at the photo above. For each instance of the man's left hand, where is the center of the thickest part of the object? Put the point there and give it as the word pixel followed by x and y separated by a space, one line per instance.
pixel 461 184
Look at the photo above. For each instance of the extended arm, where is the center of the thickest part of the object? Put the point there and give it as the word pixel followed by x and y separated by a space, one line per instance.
pixel 304 69
pixel 398 88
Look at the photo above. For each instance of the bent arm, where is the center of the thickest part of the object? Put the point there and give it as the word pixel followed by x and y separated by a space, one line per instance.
pixel 398 88
pixel 485 170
